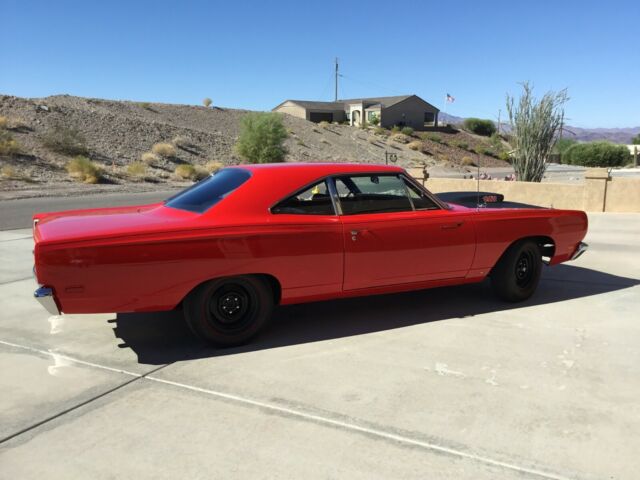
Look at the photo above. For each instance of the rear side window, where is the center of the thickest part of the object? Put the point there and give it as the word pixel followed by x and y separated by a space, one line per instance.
pixel 314 200
pixel 372 194
pixel 206 193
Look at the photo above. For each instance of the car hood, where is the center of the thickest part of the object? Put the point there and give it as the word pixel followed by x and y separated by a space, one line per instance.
pixel 101 223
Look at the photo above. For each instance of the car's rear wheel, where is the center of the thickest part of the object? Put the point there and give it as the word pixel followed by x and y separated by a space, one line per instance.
pixel 229 311
pixel 517 274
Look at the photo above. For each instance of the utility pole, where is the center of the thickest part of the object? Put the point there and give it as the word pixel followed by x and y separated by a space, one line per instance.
pixel 336 94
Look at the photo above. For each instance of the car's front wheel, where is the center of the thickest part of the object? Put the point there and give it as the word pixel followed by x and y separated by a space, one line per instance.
pixel 516 275
pixel 229 311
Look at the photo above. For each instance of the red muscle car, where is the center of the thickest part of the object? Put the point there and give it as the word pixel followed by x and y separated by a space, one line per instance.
pixel 233 246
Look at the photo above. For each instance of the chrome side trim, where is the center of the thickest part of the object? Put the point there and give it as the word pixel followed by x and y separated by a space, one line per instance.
pixel 44 295
pixel 582 247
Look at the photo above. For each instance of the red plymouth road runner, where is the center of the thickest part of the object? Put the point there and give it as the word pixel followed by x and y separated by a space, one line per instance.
pixel 230 248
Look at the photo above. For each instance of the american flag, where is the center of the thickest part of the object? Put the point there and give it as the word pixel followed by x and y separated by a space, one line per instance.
pixel 450 99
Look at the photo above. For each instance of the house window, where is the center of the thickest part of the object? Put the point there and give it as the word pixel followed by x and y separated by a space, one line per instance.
pixel 429 117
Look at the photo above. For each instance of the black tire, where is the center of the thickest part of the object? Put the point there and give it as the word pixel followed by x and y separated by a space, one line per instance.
pixel 229 311
pixel 517 274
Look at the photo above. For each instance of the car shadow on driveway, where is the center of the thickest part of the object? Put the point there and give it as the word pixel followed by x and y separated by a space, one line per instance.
pixel 162 337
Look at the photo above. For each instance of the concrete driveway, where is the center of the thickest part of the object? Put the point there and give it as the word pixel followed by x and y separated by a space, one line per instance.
pixel 441 384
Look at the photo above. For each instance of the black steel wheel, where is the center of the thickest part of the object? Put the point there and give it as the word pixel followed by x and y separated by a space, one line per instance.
pixel 516 275
pixel 229 311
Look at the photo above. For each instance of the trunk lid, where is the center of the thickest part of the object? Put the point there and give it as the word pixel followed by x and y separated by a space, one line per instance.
pixel 101 223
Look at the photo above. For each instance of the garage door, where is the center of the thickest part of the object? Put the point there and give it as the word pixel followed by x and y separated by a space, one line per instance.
pixel 321 117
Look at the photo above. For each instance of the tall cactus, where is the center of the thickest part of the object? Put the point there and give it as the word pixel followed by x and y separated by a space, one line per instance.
pixel 535 126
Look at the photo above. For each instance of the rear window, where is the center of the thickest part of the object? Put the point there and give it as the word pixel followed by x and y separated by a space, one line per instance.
pixel 206 193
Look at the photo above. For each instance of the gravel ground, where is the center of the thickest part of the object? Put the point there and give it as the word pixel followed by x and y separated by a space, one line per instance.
pixel 117 133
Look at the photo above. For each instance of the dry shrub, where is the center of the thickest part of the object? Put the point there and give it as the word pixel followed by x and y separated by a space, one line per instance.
pixel 372 140
pixel 213 166
pixel 207 102
pixel 165 150
pixel 399 137
pixel 8 145
pixel 4 122
pixel 182 141
pixel 381 131
pixel 8 172
pixel 137 170
pixel 201 172
pixel 324 124
pixel 186 171
pixel 149 158
pixel 415 145
pixel 468 162
pixel 84 170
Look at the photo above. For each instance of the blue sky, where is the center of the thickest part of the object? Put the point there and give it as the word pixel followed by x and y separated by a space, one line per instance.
pixel 255 54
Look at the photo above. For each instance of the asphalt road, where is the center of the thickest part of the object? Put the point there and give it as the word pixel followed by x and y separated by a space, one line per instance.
pixel 17 213
pixel 448 383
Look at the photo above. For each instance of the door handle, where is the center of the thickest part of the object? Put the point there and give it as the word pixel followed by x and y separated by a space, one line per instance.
pixel 451 226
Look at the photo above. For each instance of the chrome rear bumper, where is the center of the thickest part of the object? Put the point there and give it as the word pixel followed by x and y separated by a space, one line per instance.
pixel 44 295
pixel 582 247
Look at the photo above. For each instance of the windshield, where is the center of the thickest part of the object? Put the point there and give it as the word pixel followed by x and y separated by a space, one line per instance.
pixel 206 193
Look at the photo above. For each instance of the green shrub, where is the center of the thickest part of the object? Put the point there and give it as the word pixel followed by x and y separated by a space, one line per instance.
pixel 137 170
pixel 374 120
pixel 597 154
pixel 407 131
pixel 504 155
pixel 8 145
pixel 563 144
pixel 434 137
pixel 480 149
pixel 480 126
pixel 145 105
pixel 65 140
pixel 82 169
pixel 496 141
pixel 381 131
pixel 462 145
pixel 207 102
pixel 165 150
pixel 636 140
pixel 395 129
pixel 261 137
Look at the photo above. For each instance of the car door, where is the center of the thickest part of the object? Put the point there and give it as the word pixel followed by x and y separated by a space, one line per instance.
pixel 395 234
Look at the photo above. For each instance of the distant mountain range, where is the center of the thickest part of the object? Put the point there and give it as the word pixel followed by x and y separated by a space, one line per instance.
pixel 615 135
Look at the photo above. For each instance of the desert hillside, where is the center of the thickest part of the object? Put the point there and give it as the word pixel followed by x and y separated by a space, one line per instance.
pixel 116 134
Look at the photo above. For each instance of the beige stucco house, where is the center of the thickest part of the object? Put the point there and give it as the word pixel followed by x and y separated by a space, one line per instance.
pixel 404 110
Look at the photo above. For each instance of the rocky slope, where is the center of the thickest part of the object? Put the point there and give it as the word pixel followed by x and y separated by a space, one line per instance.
pixel 117 133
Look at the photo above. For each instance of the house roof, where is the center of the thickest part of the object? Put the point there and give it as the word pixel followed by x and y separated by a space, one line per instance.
pixel 309 104
pixel 383 102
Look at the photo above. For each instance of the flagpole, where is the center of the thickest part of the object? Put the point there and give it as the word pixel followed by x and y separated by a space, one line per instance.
pixel 444 110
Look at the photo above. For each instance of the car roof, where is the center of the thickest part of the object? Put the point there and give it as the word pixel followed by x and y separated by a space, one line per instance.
pixel 271 182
